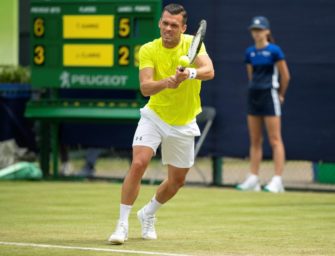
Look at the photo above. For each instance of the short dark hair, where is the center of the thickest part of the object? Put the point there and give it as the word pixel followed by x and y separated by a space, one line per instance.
pixel 175 9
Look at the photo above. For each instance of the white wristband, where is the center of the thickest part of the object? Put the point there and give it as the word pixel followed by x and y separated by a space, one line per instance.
pixel 192 73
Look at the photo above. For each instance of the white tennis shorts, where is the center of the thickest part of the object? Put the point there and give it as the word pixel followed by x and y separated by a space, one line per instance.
pixel 177 142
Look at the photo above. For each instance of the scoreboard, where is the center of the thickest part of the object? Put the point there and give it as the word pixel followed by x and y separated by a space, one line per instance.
pixel 90 44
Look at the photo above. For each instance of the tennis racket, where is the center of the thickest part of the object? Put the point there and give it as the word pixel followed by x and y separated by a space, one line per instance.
pixel 196 43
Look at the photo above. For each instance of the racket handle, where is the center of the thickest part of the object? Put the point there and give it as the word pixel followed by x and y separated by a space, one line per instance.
pixel 181 69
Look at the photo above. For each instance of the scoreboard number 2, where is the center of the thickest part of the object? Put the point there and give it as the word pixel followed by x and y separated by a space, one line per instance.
pixel 124 53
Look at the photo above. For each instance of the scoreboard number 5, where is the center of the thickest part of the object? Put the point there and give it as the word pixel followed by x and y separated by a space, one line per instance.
pixel 124 27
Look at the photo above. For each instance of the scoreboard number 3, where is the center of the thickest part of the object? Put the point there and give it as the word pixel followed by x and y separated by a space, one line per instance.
pixel 39 55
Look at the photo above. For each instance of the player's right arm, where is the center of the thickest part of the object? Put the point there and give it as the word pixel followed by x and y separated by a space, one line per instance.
pixel 150 87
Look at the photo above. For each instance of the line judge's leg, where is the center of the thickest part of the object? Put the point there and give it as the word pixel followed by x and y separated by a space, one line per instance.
pixel 255 125
pixel 273 126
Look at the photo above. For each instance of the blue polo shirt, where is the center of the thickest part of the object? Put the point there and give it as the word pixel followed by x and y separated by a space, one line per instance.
pixel 265 73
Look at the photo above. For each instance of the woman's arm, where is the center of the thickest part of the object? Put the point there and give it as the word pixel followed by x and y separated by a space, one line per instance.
pixel 249 72
pixel 284 78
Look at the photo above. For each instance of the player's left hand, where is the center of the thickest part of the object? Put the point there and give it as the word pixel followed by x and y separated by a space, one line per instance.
pixel 181 75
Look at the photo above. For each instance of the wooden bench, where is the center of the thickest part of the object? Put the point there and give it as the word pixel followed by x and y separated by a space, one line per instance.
pixel 53 112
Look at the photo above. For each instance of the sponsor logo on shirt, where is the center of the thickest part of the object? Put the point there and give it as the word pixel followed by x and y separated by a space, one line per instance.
pixel 266 53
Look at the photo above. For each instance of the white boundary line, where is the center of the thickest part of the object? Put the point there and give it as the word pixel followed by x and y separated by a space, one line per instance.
pixel 89 249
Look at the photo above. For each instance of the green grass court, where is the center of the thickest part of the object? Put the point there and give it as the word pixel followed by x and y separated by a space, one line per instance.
pixel 199 221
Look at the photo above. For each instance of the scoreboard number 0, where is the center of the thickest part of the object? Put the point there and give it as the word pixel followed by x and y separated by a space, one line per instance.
pixel 136 55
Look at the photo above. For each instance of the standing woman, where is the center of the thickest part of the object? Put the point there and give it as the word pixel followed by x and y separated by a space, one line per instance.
pixel 268 76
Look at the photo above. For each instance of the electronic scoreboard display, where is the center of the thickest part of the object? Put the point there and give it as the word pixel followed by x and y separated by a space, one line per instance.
pixel 90 44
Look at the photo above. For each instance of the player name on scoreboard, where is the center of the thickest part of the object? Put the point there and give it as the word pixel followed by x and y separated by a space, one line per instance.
pixel 88 26
pixel 98 55
pixel 105 37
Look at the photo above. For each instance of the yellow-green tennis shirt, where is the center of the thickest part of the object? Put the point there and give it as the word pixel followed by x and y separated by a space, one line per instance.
pixel 174 106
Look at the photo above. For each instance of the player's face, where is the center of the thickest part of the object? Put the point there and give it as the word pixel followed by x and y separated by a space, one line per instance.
pixel 260 35
pixel 171 27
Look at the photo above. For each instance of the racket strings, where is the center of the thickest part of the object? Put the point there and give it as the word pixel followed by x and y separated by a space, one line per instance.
pixel 194 47
pixel 197 41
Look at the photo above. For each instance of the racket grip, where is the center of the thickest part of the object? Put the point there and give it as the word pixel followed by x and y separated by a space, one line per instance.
pixel 181 69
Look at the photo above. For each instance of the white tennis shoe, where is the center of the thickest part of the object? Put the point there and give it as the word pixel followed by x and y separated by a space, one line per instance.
pixel 120 234
pixel 275 185
pixel 148 225
pixel 250 184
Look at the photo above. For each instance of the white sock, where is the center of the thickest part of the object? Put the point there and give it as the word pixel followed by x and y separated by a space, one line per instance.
pixel 124 212
pixel 253 176
pixel 151 207
pixel 277 178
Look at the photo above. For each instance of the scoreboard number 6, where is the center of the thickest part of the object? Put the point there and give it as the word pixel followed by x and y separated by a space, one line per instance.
pixel 39 27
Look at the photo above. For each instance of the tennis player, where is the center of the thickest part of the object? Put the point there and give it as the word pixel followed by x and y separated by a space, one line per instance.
pixel 265 65
pixel 167 119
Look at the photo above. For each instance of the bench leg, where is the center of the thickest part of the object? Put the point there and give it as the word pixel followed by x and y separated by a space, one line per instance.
pixel 217 170
pixel 44 146
pixel 55 147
